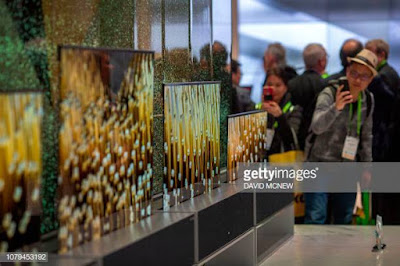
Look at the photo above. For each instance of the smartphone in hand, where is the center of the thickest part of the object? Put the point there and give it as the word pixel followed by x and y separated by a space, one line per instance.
pixel 267 93
pixel 345 83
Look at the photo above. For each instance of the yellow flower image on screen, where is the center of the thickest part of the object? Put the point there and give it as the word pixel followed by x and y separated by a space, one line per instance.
pixel 191 138
pixel 246 140
pixel 21 115
pixel 106 115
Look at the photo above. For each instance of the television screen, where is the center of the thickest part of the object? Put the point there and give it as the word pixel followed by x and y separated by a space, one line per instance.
pixel 105 141
pixel 191 138
pixel 21 116
pixel 246 140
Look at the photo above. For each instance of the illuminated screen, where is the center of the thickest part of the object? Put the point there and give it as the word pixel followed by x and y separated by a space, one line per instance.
pixel 21 116
pixel 105 140
pixel 191 138
pixel 246 140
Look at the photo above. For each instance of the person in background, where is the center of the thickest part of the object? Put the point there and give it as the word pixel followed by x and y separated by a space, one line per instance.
pixel 241 97
pixel 385 88
pixel 218 63
pixel 284 118
pixel 342 124
pixel 386 72
pixel 236 71
pixel 386 130
pixel 306 87
pixel 350 48
pixel 275 56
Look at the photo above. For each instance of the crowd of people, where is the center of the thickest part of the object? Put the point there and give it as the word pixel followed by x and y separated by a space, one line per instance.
pixel 348 116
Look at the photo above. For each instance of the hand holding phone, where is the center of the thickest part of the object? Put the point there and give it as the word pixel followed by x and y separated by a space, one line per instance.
pixel 343 95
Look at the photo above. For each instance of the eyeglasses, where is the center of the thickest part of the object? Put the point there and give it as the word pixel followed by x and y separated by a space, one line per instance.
pixel 355 75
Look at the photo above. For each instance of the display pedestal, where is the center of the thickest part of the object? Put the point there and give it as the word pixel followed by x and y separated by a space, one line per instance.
pixel 238 252
pixel 274 231
pixel 234 227
pixel 221 215
pixel 226 226
pixel 162 239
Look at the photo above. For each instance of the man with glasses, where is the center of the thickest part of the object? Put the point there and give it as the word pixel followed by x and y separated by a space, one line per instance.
pixel 342 131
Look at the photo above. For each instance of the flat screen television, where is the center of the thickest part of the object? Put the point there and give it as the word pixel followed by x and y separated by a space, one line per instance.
pixel 105 141
pixel 21 114
pixel 191 138
pixel 246 140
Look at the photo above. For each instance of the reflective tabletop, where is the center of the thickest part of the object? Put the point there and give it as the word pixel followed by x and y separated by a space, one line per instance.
pixel 337 245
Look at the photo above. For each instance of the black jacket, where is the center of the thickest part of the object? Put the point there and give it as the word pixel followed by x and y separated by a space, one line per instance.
pixel 304 90
pixel 287 123
pixel 390 77
pixel 384 87
pixel 241 101
pixel 337 75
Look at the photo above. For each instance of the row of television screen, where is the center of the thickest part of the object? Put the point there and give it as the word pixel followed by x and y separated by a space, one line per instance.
pixel 106 146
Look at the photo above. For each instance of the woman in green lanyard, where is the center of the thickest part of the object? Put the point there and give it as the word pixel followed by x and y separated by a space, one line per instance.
pixel 283 118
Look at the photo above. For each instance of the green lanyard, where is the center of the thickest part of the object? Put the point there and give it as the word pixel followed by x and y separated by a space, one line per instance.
pixel 358 115
pixel 381 64
pixel 288 106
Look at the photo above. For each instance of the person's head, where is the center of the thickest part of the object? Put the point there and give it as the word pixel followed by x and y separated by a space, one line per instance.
pixel 220 55
pixel 278 80
pixel 350 48
pixel 236 72
pixel 379 47
pixel 315 57
pixel 361 70
pixel 219 52
pixel 274 56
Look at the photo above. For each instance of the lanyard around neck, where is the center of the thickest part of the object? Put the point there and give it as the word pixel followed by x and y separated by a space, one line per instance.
pixel 358 115
pixel 285 109
pixel 381 64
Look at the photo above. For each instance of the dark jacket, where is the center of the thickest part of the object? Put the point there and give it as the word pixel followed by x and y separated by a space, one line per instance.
pixel 390 77
pixel 288 124
pixel 241 101
pixel 304 89
pixel 337 75
pixel 385 88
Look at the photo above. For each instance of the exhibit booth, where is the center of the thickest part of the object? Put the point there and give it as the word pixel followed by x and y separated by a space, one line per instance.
pixel 116 141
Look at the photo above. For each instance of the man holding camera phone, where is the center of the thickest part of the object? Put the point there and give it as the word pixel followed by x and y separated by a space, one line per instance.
pixel 341 130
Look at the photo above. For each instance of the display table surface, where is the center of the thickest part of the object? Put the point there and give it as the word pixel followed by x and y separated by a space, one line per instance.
pixel 215 228
pixel 337 245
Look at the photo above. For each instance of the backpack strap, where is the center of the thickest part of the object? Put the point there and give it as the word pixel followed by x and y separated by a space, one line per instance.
pixel 311 141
